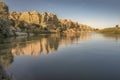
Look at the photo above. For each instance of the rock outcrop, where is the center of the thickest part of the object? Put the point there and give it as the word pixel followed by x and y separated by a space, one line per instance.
pixel 12 23
pixel 47 21
pixel 14 15
pixel 32 17
pixel 70 26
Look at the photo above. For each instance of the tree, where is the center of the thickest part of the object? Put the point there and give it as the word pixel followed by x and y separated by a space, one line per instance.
pixel 117 26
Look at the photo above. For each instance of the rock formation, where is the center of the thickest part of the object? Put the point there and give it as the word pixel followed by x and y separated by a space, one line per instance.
pixel 32 17
pixel 49 20
pixel 70 26
pixel 17 23
pixel 14 15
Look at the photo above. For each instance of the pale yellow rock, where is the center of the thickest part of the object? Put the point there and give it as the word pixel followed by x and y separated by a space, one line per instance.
pixel 30 17
pixel 14 15
pixel 47 20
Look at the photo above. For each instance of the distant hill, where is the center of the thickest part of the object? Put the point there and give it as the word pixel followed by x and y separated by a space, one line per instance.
pixel 112 30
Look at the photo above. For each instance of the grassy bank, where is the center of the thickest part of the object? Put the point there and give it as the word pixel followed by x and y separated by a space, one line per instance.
pixel 113 30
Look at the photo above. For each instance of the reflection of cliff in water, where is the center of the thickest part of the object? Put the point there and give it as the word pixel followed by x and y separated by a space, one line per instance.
pixel 47 43
pixel 34 46
pixel 42 44
pixel 67 39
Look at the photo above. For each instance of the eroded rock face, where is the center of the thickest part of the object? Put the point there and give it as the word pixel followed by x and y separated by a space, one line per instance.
pixel 14 15
pixel 35 21
pixel 49 20
pixel 32 17
pixel 28 17
pixel 70 26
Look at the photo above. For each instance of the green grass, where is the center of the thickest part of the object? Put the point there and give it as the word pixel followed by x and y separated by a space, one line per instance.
pixel 114 30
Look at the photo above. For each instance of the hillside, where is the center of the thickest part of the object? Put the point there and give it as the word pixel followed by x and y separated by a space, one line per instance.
pixel 112 30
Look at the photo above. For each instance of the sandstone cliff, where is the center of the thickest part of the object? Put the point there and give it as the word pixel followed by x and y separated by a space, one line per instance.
pixel 49 20
pixel 33 17
pixel 70 26
pixel 46 21
pixel 17 23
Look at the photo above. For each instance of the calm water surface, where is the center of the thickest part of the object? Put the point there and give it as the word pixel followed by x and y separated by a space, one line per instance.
pixel 85 56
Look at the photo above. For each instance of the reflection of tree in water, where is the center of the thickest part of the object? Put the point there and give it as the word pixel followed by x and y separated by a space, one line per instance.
pixel 113 36
pixel 6 59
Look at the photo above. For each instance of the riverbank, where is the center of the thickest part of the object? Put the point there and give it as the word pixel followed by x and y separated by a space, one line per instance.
pixel 112 30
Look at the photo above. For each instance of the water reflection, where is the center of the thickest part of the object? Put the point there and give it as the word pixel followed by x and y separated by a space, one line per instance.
pixel 112 36
pixel 44 44
pixel 33 46
pixel 47 44
pixel 91 59
pixel 6 59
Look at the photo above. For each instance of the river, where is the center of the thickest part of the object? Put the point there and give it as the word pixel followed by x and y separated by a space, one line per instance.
pixel 84 56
